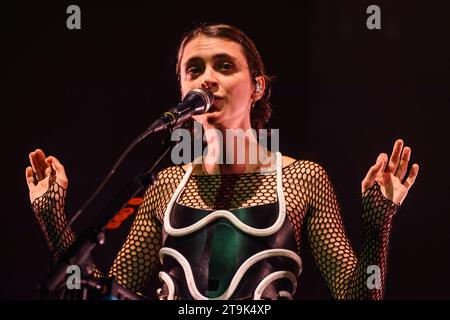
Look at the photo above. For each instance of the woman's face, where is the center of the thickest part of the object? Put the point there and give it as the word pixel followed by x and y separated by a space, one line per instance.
pixel 221 66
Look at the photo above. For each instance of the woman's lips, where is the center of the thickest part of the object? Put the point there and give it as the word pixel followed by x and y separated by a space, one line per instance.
pixel 214 106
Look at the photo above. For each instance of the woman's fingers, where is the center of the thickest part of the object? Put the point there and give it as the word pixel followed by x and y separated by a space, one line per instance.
pixel 38 163
pixel 61 177
pixel 42 167
pixel 374 171
pixel 395 156
pixel 33 162
pixel 412 176
pixel 30 177
pixel 403 166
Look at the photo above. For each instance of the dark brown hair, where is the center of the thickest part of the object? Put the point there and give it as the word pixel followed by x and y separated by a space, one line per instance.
pixel 262 110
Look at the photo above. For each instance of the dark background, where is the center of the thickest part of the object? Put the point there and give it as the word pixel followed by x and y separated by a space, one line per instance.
pixel 342 95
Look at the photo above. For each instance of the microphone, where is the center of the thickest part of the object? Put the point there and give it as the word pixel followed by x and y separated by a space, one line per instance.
pixel 196 101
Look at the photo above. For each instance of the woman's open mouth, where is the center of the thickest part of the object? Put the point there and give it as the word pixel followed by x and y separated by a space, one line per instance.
pixel 215 105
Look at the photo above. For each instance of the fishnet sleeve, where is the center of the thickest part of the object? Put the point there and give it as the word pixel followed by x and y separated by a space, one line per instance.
pixel 137 262
pixel 346 275
pixel 49 210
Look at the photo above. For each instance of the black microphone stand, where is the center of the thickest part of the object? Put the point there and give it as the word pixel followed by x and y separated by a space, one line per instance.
pixel 80 252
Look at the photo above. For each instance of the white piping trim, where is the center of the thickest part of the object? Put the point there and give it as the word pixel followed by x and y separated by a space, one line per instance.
pixel 271 278
pixel 163 276
pixel 285 294
pixel 239 273
pixel 225 213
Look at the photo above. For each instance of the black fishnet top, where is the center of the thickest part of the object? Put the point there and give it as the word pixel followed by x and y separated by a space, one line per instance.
pixel 311 206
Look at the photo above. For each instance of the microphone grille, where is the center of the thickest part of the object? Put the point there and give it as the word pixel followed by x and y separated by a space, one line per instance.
pixel 207 97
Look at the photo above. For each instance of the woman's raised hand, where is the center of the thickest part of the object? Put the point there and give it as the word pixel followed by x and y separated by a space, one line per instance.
pixel 42 173
pixel 390 178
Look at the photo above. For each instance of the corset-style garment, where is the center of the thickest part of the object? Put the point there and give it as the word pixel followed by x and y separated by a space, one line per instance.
pixel 245 253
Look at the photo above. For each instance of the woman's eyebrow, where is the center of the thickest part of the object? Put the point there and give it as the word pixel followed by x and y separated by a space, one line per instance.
pixel 219 56
pixel 225 56
pixel 191 61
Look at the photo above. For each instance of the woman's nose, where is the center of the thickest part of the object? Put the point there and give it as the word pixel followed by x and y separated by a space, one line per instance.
pixel 209 81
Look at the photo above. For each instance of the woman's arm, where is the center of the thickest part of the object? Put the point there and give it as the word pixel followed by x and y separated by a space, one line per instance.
pixel 349 276
pixel 47 184
pixel 49 210
pixel 137 263
pixel 345 273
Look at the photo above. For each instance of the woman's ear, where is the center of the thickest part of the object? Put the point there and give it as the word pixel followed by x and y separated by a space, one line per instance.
pixel 260 87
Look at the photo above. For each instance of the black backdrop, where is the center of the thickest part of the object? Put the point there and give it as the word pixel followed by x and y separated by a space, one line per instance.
pixel 342 94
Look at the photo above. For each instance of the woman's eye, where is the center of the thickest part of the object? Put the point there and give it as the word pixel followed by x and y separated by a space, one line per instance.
pixel 193 70
pixel 226 66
